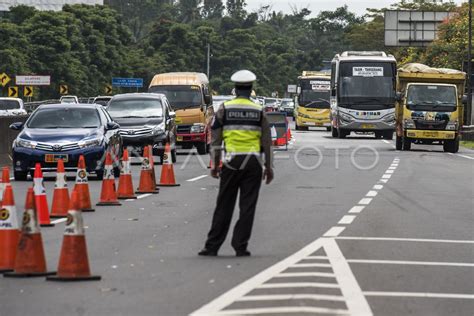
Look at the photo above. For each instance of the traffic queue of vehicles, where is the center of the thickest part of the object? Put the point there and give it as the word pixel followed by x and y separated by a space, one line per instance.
pixel 363 93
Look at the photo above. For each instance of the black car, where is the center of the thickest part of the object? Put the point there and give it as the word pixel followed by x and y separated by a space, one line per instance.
pixel 66 131
pixel 145 119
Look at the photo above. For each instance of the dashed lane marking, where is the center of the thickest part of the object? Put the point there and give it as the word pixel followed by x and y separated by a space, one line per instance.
pixel 386 176
pixel 371 193
pixel 417 263
pixel 347 219
pixel 356 209
pixel 334 231
pixel 378 187
pixel 197 178
pixel 365 201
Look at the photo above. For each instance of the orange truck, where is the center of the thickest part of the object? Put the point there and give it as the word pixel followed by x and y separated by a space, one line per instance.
pixel 190 97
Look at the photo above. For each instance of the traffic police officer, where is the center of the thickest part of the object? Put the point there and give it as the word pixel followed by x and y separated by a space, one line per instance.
pixel 244 128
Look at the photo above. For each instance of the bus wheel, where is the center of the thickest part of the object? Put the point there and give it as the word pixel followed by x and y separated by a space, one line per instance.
pixel 334 132
pixel 388 135
pixel 378 135
pixel 342 134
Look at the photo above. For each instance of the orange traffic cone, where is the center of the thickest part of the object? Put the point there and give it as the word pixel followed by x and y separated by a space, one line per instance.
pixel 73 262
pixel 9 233
pixel 30 260
pixel 167 178
pixel 61 193
pixel 108 195
pixel 125 186
pixel 147 183
pixel 82 187
pixel 4 182
pixel 40 198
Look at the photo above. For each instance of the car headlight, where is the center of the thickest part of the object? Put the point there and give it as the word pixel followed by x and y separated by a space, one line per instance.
pixel 90 142
pixel 345 117
pixel 158 129
pixel 408 123
pixel 26 143
pixel 452 126
pixel 198 128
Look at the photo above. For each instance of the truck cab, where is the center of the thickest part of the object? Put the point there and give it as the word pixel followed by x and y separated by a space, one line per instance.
pixel 429 107
pixel 189 96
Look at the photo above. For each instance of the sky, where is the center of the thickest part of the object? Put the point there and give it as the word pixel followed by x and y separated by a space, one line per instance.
pixel 356 6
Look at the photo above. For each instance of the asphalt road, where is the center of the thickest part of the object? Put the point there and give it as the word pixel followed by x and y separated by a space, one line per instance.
pixel 348 227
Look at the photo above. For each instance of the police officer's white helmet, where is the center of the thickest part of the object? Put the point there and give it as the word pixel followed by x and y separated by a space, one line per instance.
pixel 243 77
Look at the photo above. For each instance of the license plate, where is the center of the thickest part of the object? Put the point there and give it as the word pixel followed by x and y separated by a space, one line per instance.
pixel 51 158
pixel 179 138
pixel 367 126
pixel 431 134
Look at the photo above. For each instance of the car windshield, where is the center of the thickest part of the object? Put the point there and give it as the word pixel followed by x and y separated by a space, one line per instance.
pixel 367 85
pixel 431 97
pixel 9 105
pixel 129 108
pixel 180 97
pixel 64 118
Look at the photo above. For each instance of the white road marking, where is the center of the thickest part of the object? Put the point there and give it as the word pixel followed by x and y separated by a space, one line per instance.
pixel 334 231
pixel 365 201
pixel 347 219
pixel 417 263
pixel 449 241
pixel 311 265
pixel 283 310
pixel 386 176
pixel 284 297
pixel 383 180
pixel 464 156
pixel 197 178
pixel 389 171
pixel 356 209
pixel 371 193
pixel 12 178
pixel 385 141
pixel 355 300
pixel 60 220
pixel 378 187
pixel 298 285
pixel 305 274
pixel 420 294
pixel 315 257
pixel 392 168
pixel 130 200
pixel 141 196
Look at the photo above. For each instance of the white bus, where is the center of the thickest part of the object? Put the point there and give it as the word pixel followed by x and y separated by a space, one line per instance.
pixel 363 89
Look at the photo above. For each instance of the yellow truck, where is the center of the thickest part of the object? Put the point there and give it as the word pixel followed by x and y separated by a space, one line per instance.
pixel 429 106
pixel 312 103
pixel 190 97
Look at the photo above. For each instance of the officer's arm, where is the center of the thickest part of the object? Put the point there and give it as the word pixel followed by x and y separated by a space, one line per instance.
pixel 266 142
pixel 216 133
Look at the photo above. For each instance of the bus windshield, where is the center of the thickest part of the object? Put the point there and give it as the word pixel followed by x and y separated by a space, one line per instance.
pixel 314 93
pixel 367 85
pixel 180 97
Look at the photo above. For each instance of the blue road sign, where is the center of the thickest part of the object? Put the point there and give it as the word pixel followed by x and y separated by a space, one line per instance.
pixel 127 82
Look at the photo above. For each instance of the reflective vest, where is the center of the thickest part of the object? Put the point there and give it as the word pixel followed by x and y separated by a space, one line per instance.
pixel 242 128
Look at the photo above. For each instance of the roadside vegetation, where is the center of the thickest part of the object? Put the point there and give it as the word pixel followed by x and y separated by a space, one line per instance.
pixel 84 46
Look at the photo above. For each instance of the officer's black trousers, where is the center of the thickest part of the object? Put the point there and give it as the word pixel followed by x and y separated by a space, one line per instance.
pixel 244 174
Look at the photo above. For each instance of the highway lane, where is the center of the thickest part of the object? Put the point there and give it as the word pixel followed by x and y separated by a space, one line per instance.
pixel 146 249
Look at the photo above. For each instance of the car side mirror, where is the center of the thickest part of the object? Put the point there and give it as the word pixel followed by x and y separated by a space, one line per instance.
pixel 17 126
pixel 112 126
pixel 172 115
pixel 464 99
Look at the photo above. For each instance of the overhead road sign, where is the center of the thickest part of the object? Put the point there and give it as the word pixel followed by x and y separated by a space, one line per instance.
pixel 127 82
pixel 412 28
pixel 13 92
pixel 33 80
pixel 63 89
pixel 108 89
pixel 28 91
pixel 4 79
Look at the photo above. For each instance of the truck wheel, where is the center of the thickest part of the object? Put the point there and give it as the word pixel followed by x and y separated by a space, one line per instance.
pixel 388 135
pixel 398 143
pixel 406 144
pixel 451 146
pixel 20 176
pixel 201 148
pixel 334 132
